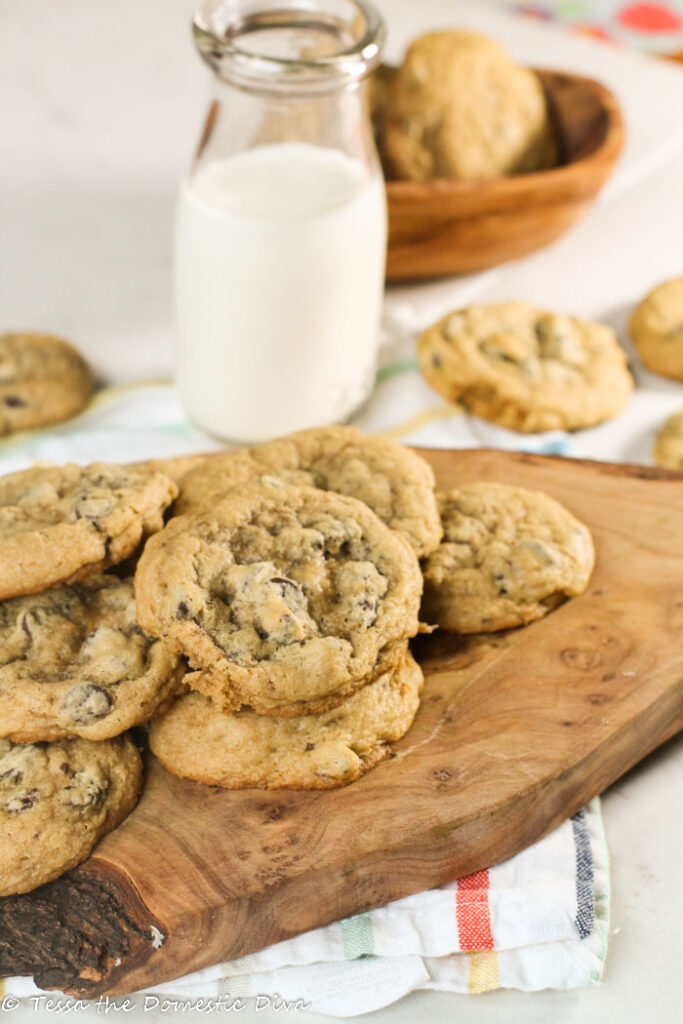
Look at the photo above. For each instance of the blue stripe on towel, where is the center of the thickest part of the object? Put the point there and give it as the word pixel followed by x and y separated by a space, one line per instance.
pixel 585 882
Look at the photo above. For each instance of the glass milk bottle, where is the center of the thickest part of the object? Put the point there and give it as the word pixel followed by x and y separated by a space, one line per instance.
pixel 280 240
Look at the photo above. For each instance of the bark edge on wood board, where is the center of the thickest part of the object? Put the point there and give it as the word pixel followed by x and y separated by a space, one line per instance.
pixel 73 933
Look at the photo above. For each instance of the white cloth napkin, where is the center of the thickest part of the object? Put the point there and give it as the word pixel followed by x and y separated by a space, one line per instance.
pixel 147 420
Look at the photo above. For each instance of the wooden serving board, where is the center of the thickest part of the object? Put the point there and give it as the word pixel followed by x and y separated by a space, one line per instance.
pixel 515 733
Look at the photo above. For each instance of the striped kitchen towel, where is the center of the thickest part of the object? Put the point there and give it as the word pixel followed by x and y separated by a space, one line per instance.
pixel 538 920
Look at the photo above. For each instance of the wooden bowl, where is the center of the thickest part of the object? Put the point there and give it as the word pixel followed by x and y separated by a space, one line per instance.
pixel 443 227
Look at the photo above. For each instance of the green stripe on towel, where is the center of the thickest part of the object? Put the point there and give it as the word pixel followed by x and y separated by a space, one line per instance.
pixel 386 372
pixel 357 936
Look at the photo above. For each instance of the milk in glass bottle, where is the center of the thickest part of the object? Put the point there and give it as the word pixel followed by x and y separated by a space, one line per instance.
pixel 280 239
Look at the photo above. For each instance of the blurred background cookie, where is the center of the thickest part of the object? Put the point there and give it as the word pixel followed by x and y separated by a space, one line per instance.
pixel 42 380
pixel 669 443
pixel 525 368
pixel 656 327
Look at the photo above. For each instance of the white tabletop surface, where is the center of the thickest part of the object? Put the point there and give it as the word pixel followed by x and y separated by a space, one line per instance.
pixel 100 105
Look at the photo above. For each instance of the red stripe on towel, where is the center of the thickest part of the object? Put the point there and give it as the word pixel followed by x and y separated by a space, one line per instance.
pixel 472 911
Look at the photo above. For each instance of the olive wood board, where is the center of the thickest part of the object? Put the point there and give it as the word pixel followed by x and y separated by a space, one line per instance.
pixel 516 732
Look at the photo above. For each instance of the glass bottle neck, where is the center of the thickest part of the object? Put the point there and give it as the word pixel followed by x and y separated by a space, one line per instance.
pixel 283 46
pixel 239 119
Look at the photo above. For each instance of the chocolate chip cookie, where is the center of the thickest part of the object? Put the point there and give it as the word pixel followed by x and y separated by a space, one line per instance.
pixel 656 327
pixel 56 801
pixel 280 594
pixel 669 443
pixel 42 380
pixel 64 523
pixel 508 556
pixel 461 107
pixel 395 482
pixel 527 369
pixel 74 662
pixel 196 740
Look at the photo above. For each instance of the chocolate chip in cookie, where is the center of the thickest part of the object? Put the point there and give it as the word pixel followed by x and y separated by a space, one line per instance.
pixel 64 523
pixel 74 662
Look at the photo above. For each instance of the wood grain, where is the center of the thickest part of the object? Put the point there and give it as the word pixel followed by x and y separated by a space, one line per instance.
pixel 444 227
pixel 515 733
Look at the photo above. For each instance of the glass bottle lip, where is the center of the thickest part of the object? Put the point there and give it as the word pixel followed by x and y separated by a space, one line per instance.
pixel 218 26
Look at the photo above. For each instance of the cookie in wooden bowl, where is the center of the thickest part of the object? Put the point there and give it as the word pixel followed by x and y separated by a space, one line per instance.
pixel 461 107
pixel 566 135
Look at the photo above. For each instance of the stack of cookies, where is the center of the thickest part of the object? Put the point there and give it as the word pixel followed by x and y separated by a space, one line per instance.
pixel 291 583
pixel 76 670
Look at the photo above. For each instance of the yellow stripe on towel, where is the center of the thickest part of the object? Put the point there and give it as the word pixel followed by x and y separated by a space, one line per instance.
pixel 483 971
pixel 415 423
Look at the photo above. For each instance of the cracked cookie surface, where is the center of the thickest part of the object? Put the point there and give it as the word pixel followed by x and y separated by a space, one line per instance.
pixel 526 369
pixel 656 327
pixel 461 107
pixel 74 662
pixel 280 594
pixel 196 740
pixel 669 443
pixel 508 556
pixel 56 801
pixel 395 482
pixel 42 380
pixel 63 523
